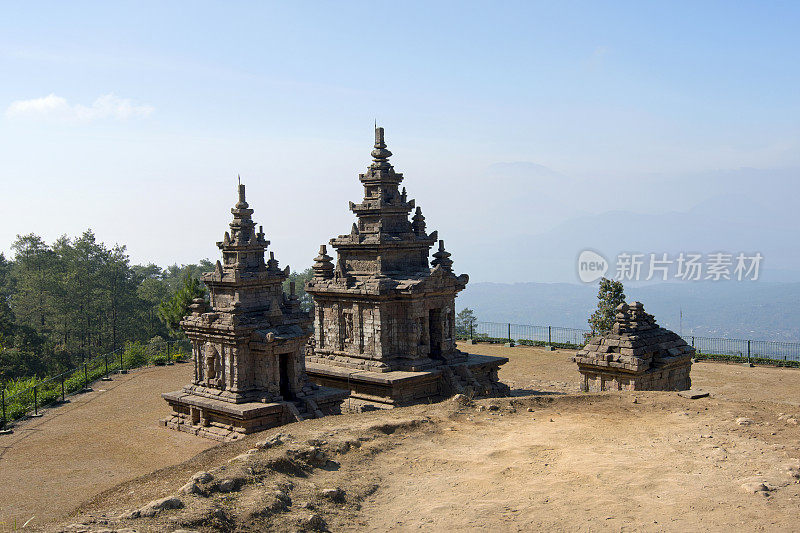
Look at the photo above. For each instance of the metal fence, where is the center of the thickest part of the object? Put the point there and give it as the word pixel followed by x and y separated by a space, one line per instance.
pixel 18 403
pixel 571 337
pixel 520 333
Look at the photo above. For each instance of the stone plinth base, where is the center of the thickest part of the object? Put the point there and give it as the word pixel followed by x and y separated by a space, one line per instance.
pixel 477 375
pixel 226 421
pixel 670 377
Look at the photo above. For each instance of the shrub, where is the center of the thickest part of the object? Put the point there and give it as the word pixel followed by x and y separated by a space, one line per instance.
pixel 156 346
pixel 135 354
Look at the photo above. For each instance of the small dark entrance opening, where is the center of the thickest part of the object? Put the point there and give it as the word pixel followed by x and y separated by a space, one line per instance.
pixel 286 390
pixel 435 330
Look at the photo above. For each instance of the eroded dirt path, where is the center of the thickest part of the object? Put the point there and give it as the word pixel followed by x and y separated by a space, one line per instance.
pixel 49 465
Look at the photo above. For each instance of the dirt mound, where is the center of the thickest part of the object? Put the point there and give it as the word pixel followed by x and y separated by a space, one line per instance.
pixel 567 462
pixel 547 458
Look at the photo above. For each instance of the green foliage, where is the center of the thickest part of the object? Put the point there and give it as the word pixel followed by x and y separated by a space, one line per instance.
pixel 756 360
pixel 483 337
pixel 67 301
pixel 300 279
pixel 135 354
pixel 172 311
pixel 7 321
pixel 465 322
pixel 609 297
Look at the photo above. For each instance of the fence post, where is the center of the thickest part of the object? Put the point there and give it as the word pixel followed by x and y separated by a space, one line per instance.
pixel 549 346
pixel 107 377
pixel 692 341
pixel 748 351
pixel 3 392
pixel 471 335
pixel 85 377
pixel 510 342
pixel 63 396
pixel 121 362
pixel 169 353
pixel 35 402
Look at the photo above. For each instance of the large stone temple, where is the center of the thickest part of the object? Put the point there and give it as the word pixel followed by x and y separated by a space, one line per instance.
pixel 384 316
pixel 248 347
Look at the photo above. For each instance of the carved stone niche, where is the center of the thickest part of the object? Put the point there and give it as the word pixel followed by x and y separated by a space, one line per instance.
pixel 212 365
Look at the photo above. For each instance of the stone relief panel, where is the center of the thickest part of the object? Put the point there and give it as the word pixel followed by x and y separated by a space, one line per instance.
pixel 346 326
pixel 213 366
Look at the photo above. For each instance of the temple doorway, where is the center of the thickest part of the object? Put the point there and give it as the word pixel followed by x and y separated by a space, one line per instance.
pixel 286 387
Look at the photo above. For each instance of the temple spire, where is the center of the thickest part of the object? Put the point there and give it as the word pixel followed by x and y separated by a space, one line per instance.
pixel 380 155
pixel 242 203
pixel 418 223
pixel 442 258
pixel 323 267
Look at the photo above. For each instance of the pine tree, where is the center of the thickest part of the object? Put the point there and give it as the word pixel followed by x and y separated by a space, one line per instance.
pixel 172 311
pixel 609 297
pixel 465 322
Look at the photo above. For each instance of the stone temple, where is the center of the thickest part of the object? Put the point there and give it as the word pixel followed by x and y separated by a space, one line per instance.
pixel 384 316
pixel 248 348
pixel 637 355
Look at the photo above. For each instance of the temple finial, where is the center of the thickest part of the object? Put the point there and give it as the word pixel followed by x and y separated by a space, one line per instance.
pixel 418 223
pixel 442 258
pixel 323 267
pixel 380 154
pixel 242 204
pixel 272 264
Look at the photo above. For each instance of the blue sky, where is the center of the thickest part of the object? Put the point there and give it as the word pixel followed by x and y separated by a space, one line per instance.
pixel 512 121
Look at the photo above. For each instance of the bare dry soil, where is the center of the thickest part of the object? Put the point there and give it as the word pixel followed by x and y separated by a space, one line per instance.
pixel 547 458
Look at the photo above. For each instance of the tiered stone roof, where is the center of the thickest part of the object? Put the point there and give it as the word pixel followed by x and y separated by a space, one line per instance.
pixel 635 344
pixel 385 251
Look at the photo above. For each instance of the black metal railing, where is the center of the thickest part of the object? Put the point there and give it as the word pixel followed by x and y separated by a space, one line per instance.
pixel 574 338
pixel 20 402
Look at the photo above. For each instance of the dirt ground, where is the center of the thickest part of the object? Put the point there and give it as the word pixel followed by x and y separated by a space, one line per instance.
pixel 547 458
pixel 96 441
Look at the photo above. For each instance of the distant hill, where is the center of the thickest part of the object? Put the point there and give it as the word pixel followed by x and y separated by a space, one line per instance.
pixel 755 310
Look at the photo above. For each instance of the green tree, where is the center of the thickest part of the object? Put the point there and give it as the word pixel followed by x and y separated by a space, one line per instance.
pixel 465 322
pixel 172 311
pixel 5 278
pixel 7 321
pixel 34 276
pixel 7 318
pixel 300 279
pixel 120 291
pixel 174 275
pixel 151 292
pixel 609 297
pixel 86 260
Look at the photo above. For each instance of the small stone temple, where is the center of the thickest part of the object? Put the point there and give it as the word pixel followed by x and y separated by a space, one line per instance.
pixel 637 354
pixel 247 345
pixel 384 316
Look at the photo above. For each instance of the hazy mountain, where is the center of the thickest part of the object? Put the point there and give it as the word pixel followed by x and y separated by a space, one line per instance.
pixel 547 220
pixel 755 310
